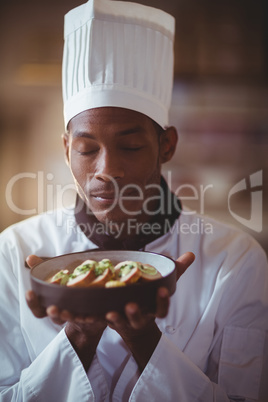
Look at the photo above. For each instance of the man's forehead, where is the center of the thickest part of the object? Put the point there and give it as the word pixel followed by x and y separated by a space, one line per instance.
pixel 121 121
pixel 91 134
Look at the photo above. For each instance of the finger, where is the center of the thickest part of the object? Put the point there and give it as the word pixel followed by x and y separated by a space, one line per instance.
pixel 94 319
pixel 162 302
pixel 115 320
pixel 65 315
pixel 134 316
pixel 183 262
pixel 34 304
pixel 57 316
pixel 86 319
pixel 33 260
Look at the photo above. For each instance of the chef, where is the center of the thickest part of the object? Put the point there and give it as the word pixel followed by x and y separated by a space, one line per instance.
pixel 207 342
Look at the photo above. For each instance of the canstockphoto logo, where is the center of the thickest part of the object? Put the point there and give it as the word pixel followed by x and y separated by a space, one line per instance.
pixel 256 198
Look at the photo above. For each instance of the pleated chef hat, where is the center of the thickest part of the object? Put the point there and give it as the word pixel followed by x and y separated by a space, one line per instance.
pixel 118 54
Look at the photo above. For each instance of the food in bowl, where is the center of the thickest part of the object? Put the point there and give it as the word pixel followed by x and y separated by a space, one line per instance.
pixel 104 274
pixel 94 300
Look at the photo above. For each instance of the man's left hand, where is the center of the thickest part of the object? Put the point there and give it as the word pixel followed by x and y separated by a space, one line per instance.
pixel 138 329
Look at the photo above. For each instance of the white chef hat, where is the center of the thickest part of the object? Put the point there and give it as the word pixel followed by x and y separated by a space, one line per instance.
pixel 118 54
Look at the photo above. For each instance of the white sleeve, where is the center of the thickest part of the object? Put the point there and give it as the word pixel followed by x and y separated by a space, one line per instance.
pixel 236 356
pixel 56 374
pixel 37 361
pixel 169 375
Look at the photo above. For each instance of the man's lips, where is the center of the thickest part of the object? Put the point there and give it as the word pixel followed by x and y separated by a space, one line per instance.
pixel 105 196
pixel 105 199
pixel 111 196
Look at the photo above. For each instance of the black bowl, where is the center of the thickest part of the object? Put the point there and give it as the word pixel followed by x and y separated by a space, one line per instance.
pixel 94 301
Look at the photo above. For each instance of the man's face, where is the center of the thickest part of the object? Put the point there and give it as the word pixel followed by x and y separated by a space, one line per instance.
pixel 115 159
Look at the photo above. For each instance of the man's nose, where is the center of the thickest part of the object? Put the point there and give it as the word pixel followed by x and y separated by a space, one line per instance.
pixel 108 166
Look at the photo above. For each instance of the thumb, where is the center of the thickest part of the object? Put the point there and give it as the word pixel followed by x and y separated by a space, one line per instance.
pixel 183 262
pixel 33 260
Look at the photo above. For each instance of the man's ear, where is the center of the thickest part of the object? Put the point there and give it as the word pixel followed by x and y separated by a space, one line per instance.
pixel 66 140
pixel 168 143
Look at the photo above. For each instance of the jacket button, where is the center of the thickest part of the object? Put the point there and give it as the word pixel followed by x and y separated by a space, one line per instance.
pixel 170 329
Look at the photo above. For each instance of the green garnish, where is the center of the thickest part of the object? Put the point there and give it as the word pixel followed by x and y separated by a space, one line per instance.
pixel 63 275
pixel 148 269
pixel 125 269
pixel 83 268
pixel 102 266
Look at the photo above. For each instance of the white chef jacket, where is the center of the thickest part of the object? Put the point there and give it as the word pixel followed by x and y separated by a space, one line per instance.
pixel 214 338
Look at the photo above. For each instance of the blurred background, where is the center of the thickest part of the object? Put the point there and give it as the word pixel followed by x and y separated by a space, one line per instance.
pixel 219 106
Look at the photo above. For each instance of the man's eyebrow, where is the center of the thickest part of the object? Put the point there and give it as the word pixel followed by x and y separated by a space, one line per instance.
pixel 78 133
pixel 132 130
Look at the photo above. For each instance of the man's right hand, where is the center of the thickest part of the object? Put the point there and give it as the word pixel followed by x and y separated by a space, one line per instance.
pixel 58 316
pixel 83 333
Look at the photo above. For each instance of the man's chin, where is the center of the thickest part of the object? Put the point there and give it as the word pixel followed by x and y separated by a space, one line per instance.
pixel 115 217
pixel 115 213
